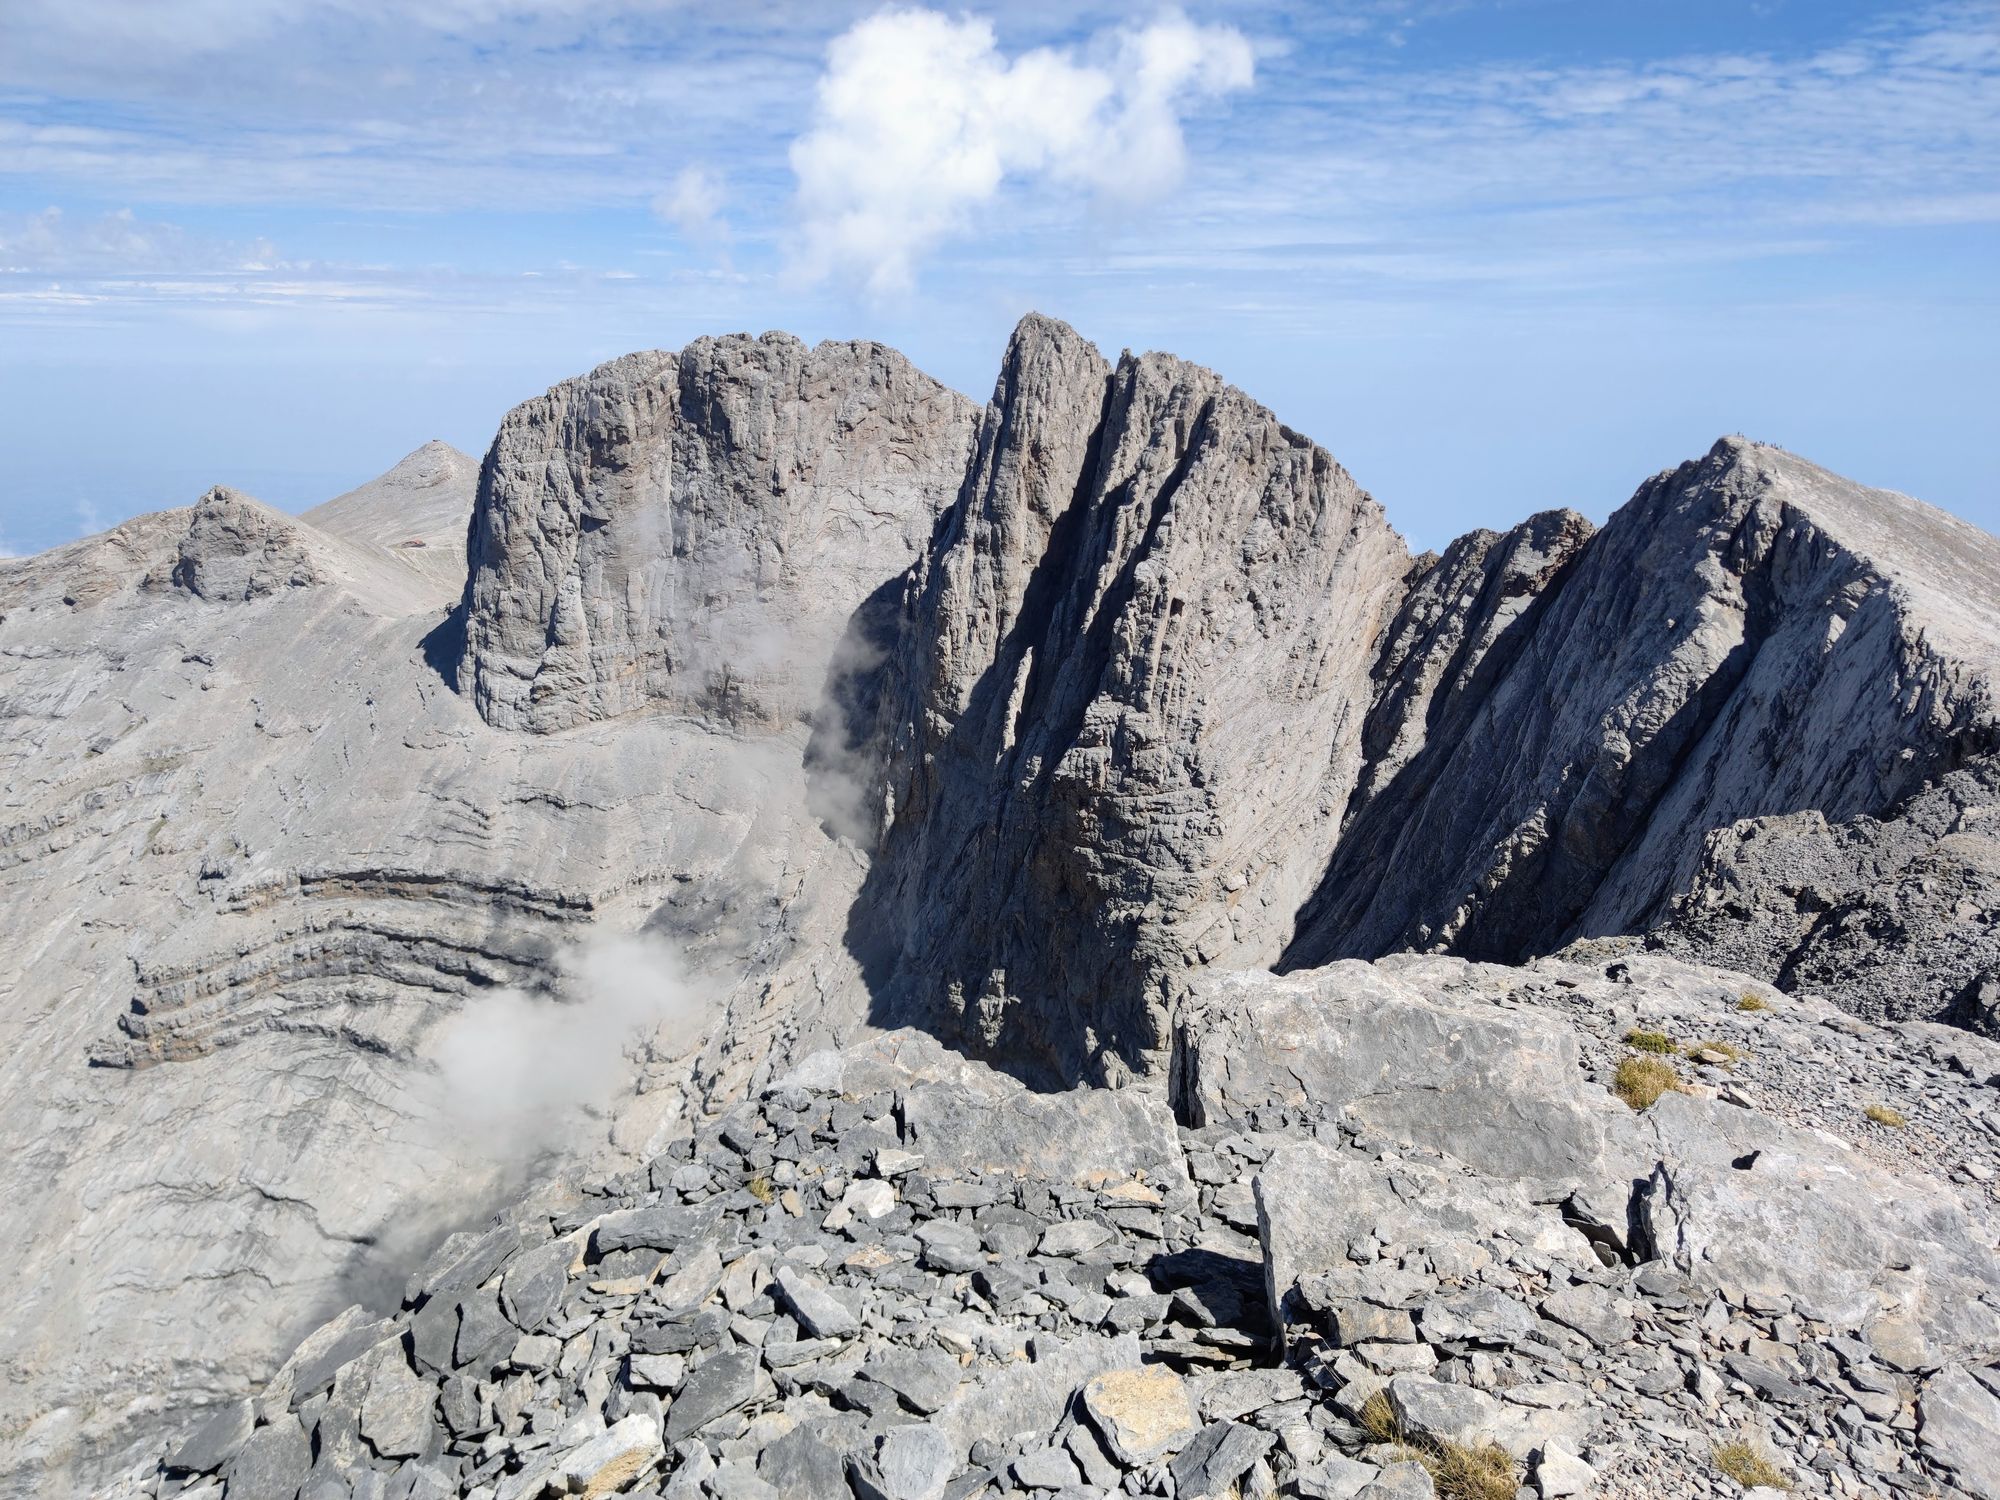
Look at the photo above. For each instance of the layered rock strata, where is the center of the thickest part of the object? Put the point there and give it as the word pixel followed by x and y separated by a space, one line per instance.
pixel 883 708
pixel 895 1272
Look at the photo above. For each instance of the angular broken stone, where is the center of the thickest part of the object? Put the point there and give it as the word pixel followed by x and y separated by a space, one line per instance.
pixel 721 1384
pixel 273 1462
pixel 614 1459
pixel 819 1312
pixel 909 1463
pixel 924 1379
pixel 1443 1411
pixel 533 1286
pixel 1961 1430
pixel 215 1441
pixel 397 1413
pixel 1143 1414
pixel 1075 1237
pixel 1218 1456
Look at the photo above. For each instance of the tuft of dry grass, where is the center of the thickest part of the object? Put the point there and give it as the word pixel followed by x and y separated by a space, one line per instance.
pixel 1457 1472
pixel 1472 1473
pixel 1752 1002
pixel 1740 1460
pixel 1881 1114
pixel 1656 1042
pixel 1640 1081
pixel 1379 1422
pixel 762 1188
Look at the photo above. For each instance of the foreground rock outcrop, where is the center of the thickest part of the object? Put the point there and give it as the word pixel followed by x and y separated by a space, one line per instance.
pixel 895 1272
pixel 803 699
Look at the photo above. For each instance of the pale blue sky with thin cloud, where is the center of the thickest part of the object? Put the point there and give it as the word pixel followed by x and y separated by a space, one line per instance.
pixel 1496 255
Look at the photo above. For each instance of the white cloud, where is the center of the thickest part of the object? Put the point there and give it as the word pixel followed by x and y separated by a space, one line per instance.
pixel 921 119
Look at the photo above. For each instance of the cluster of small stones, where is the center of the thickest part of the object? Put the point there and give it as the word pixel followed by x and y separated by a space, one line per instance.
pixel 1619 1380
pixel 794 1304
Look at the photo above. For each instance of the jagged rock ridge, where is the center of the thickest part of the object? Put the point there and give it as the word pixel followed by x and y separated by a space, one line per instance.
pixel 1008 722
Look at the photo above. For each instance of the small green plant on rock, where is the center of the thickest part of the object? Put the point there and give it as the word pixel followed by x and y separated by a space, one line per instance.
pixel 1640 1081
pixel 1457 1472
pixel 1656 1042
pixel 1740 1460
pixel 1752 1002
pixel 1881 1114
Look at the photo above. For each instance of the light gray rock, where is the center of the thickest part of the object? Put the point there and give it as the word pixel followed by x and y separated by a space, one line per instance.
pixel 819 1312
pixel 614 1459
pixel 695 529
pixel 1407 1480
pixel 1074 1237
pixel 909 1463
pixel 1763 1209
pixel 1589 1311
pixel 1560 1473
pixel 397 1414
pixel 1443 1411
pixel 1496 1089
pixel 1045 1469
pixel 1961 1429
pixel 1312 1204
pixel 1143 1414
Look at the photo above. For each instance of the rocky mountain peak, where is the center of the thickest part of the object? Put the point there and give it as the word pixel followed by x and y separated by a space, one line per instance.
pixel 939 761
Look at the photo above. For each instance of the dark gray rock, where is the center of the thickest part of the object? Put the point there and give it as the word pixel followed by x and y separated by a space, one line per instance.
pixel 923 1378
pixel 717 1386
pixel 272 1464
pixel 800 1466
pixel 1219 1455
pixel 215 1441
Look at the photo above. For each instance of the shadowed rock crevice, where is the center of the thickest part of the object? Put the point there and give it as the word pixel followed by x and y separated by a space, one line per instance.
pixel 1020 723
pixel 1065 832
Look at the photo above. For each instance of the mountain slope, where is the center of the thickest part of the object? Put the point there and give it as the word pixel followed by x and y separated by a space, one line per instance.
pixel 879 708
pixel 414 514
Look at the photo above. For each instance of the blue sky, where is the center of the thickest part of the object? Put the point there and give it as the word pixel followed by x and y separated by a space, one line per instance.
pixel 1496 255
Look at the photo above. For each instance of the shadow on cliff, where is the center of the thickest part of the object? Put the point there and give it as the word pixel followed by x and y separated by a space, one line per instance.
pixel 961 900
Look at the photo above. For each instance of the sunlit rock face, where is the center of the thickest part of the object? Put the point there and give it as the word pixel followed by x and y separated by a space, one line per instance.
pixel 869 707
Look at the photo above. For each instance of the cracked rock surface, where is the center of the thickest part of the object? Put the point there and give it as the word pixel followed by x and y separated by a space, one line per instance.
pixel 1108 734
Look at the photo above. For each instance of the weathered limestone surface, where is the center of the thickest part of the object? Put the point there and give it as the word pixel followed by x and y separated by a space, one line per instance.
pixel 414 515
pixel 693 530
pixel 1124 710
pixel 1750 636
pixel 729 1319
pixel 1021 724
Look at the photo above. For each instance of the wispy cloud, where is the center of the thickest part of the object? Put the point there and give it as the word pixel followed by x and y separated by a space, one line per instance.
pixel 694 206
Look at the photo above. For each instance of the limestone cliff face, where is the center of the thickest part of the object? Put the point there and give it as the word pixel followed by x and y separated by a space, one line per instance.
pixel 887 707
pixel 692 530
pixel 1125 706
pixel 1749 636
